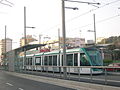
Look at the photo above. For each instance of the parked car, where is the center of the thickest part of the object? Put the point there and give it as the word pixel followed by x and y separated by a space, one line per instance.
pixel 114 65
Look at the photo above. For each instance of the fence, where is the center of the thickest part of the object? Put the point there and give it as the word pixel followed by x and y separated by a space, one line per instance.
pixel 95 74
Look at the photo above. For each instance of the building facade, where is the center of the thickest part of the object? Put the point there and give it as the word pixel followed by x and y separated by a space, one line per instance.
pixel 29 39
pixel 90 42
pixel 99 39
pixel 75 42
pixel 5 47
pixel 70 43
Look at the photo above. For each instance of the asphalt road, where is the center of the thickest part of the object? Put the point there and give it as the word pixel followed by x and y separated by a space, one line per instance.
pixel 9 82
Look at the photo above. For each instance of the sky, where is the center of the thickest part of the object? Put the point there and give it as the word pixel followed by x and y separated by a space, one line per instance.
pixel 45 16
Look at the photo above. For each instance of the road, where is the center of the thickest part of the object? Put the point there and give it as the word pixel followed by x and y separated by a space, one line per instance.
pixel 9 82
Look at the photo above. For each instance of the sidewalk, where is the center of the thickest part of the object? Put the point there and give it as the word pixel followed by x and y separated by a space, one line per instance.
pixel 65 83
pixel 114 73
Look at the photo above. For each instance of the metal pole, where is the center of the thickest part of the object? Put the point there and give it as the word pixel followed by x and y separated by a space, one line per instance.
pixel 59 49
pixel 59 38
pixel 94 28
pixel 5 49
pixel 5 38
pixel 64 40
pixel 25 25
pixel 24 36
pixel 40 41
pixel 80 38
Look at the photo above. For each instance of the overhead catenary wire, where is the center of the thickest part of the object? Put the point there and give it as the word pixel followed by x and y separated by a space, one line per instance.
pixel 76 17
pixel 100 21
pixel 9 2
pixel 85 13
pixel 82 2
pixel 6 2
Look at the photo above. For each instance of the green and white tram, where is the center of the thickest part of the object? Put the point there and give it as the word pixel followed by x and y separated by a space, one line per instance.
pixel 74 57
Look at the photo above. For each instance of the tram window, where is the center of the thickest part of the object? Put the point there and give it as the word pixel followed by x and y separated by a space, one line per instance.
pixel 45 60
pixel 55 60
pixel 30 61
pixel 26 61
pixel 75 59
pixel 62 60
pixel 21 61
pixel 38 61
pixel 69 58
pixel 50 60
pixel 59 60
pixel 83 60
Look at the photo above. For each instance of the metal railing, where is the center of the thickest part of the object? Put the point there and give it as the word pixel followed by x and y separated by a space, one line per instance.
pixel 96 74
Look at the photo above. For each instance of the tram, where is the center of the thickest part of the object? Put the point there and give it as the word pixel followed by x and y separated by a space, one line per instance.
pixel 74 57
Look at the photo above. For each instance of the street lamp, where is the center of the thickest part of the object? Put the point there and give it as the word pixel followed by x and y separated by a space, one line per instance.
pixel 64 40
pixel 94 29
pixel 25 25
pixel 25 42
pixel 64 33
pixel 64 36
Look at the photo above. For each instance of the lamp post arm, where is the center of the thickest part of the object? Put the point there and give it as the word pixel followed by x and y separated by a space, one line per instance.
pixel 29 27
pixel 74 8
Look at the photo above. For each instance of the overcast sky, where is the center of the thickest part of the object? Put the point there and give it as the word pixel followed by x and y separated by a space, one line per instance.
pixel 45 15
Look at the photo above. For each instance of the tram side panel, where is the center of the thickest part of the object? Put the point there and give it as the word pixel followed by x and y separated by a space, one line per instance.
pixel 78 58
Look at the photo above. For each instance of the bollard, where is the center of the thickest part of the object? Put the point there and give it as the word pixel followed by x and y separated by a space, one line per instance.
pixel 79 73
pixel 69 72
pixel 105 76
pixel 53 71
pixel 60 71
pixel 90 74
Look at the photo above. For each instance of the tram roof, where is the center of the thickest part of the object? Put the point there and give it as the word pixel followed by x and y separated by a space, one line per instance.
pixel 73 50
pixel 57 51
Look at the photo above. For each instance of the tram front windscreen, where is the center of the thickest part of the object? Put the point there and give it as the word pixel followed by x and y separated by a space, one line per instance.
pixel 95 56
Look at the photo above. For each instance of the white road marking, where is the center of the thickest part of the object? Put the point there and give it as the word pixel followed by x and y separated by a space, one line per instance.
pixel 20 89
pixel 9 84
pixel 12 85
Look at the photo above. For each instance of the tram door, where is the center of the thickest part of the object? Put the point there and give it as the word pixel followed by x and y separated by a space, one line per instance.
pixel 72 60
